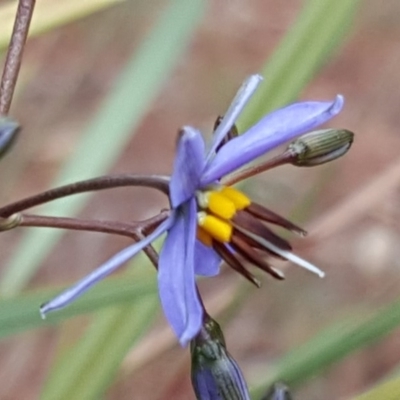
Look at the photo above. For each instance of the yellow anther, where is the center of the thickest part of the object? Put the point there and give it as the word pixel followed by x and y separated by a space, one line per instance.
pixel 220 205
pixel 204 237
pixel 217 228
pixel 239 199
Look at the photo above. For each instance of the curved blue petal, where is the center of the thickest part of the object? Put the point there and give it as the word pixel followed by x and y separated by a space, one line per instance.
pixel 188 166
pixel 71 294
pixel 176 279
pixel 206 260
pixel 271 131
pixel 243 95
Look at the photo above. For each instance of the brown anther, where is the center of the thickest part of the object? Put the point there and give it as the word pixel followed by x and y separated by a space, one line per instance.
pixel 232 133
pixel 234 263
pixel 246 221
pixel 245 250
pixel 267 215
pixel 258 245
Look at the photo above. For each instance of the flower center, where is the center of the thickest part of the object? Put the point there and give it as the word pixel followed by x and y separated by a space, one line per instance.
pixel 217 206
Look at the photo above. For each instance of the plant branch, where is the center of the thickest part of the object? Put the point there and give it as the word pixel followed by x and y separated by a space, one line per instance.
pixel 134 230
pixel 14 53
pixel 158 182
pixel 281 159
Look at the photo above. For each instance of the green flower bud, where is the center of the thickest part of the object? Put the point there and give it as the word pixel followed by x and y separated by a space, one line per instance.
pixel 215 374
pixel 319 147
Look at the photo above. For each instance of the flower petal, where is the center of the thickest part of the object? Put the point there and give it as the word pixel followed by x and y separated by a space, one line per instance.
pixel 188 165
pixel 176 279
pixel 74 292
pixel 243 95
pixel 271 131
pixel 206 260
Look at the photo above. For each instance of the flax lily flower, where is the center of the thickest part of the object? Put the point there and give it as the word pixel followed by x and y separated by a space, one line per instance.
pixel 210 221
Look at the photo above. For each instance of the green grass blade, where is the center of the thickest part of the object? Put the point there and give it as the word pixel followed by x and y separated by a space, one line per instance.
pixel 21 313
pixel 321 26
pixel 86 371
pixel 332 345
pixel 389 390
pixel 111 129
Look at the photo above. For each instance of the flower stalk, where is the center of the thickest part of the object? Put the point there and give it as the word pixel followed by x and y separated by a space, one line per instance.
pixel 14 53
pixel 158 182
pixel 309 150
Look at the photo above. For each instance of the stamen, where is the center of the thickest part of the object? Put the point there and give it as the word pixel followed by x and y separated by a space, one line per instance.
pixel 218 229
pixel 251 255
pixel 266 215
pixel 217 203
pixel 288 255
pixel 204 237
pixel 234 263
pixel 254 244
pixel 232 133
pixel 240 200
pixel 245 221
pixel 220 205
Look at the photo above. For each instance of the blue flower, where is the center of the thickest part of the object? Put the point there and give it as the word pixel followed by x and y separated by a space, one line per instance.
pixel 208 220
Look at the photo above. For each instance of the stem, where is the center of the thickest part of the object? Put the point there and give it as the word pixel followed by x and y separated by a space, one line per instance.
pixel 14 53
pixel 158 182
pixel 134 230
pixel 284 158
pixel 77 224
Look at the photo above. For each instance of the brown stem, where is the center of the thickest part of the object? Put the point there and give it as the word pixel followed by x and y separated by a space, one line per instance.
pixel 158 182
pixel 14 53
pixel 132 230
pixel 284 158
pixel 77 224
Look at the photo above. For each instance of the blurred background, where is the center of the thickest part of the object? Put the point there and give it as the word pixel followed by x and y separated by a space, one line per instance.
pixel 349 207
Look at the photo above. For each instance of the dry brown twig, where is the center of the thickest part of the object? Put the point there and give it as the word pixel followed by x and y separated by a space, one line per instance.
pixel 14 53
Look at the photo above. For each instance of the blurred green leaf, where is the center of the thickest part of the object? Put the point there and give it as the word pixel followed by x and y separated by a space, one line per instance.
pixel 320 28
pixel 332 345
pixel 85 371
pixel 111 129
pixel 22 312
pixel 389 390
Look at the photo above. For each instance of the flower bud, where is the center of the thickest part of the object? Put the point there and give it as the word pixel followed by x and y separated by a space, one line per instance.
pixel 215 374
pixel 8 133
pixel 278 391
pixel 319 147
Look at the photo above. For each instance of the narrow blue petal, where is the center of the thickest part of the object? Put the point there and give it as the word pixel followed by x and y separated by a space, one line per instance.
pixel 188 166
pixel 206 260
pixel 74 292
pixel 271 131
pixel 176 279
pixel 243 95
